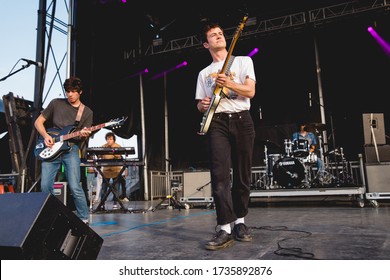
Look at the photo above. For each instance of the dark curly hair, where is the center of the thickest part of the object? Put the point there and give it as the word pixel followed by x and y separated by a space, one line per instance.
pixel 73 84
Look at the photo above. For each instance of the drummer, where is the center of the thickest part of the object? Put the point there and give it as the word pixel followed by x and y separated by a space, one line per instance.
pixel 304 137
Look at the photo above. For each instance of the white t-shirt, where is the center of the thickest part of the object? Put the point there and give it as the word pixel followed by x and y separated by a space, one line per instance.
pixel 241 68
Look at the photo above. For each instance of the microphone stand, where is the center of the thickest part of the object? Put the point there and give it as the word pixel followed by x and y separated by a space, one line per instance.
pixel 331 125
pixel 13 73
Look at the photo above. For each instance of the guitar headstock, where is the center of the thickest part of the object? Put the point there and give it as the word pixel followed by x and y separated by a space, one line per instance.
pixel 116 123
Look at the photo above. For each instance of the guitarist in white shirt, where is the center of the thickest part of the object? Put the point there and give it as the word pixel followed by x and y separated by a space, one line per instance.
pixel 61 113
pixel 230 136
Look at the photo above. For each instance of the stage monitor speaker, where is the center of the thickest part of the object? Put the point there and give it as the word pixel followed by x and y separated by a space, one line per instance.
pixel 38 226
pixel 197 184
pixel 383 153
pixel 378 177
pixel 378 129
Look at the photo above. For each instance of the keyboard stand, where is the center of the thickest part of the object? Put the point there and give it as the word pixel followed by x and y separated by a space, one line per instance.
pixel 110 186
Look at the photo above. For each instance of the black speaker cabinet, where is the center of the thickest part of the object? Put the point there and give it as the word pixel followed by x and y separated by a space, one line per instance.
pixel 37 226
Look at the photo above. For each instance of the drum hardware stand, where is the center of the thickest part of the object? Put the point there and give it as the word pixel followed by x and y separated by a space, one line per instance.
pixel 343 175
pixel 172 201
pixel 287 147
pixel 268 169
pixel 307 180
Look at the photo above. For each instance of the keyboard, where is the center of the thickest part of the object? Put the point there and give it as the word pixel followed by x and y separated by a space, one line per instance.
pixel 111 151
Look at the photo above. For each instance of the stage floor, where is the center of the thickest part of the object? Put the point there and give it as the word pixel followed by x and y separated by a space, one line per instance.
pixel 292 228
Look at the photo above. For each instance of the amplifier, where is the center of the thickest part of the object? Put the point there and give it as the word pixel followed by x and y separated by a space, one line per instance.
pixel 192 199
pixel 383 153
pixel 197 184
pixel 378 177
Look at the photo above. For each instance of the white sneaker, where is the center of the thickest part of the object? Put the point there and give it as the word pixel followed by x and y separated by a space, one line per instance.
pixel 115 206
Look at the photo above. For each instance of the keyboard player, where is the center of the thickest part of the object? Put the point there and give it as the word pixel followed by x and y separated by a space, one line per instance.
pixel 112 172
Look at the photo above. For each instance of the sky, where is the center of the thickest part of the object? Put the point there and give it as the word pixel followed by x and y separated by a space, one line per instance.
pixel 18 30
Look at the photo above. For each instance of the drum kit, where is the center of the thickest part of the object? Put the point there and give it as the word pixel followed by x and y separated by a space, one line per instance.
pixel 297 167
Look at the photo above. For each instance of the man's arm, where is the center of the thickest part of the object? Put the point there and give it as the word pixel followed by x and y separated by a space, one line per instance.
pixel 40 127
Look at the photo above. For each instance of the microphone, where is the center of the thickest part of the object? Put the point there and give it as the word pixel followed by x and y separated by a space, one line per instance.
pixel 260 114
pixel 309 99
pixel 37 64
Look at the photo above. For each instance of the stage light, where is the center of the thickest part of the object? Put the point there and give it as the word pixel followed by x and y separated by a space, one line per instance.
pixel 139 73
pixel 159 75
pixel 157 41
pixel 382 43
pixel 253 52
pixel 251 21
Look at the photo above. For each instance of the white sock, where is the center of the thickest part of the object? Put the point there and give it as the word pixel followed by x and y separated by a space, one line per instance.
pixel 227 228
pixel 239 221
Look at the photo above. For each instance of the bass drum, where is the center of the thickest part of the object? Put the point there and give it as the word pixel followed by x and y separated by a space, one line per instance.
pixel 288 172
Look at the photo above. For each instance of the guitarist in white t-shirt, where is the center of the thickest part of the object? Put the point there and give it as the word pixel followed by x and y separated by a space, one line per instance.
pixel 230 135
pixel 61 114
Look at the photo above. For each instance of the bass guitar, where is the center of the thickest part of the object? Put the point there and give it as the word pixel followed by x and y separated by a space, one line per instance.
pixel 61 137
pixel 218 93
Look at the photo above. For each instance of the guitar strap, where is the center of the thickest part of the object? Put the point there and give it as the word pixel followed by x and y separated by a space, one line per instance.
pixel 82 145
pixel 79 114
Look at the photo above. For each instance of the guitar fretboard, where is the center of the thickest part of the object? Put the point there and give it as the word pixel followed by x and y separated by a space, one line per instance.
pixel 77 133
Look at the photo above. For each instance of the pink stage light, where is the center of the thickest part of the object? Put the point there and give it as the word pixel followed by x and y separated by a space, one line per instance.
pixel 159 75
pixel 143 71
pixel 382 43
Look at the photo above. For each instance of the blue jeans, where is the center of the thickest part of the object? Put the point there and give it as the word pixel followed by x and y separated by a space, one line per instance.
pixel 71 161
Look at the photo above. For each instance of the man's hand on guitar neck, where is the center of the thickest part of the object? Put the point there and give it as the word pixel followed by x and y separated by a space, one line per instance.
pixel 204 104
pixel 85 132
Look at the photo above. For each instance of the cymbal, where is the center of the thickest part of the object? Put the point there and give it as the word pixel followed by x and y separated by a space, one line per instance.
pixel 332 152
pixel 268 143
pixel 318 126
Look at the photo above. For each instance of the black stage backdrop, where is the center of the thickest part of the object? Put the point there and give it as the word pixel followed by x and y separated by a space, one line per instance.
pixel 354 74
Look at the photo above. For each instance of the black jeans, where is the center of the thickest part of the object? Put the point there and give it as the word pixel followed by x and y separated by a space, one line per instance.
pixel 231 139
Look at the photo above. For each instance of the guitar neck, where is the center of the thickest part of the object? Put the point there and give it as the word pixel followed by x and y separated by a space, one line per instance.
pixel 78 133
pixel 228 60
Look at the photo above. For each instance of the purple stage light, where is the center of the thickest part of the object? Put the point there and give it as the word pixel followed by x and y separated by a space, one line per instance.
pixel 382 43
pixel 253 52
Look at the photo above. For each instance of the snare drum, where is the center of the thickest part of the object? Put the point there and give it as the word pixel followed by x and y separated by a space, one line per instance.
pixel 300 148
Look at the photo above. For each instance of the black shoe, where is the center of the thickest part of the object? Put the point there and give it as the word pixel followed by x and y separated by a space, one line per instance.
pixel 221 240
pixel 241 233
